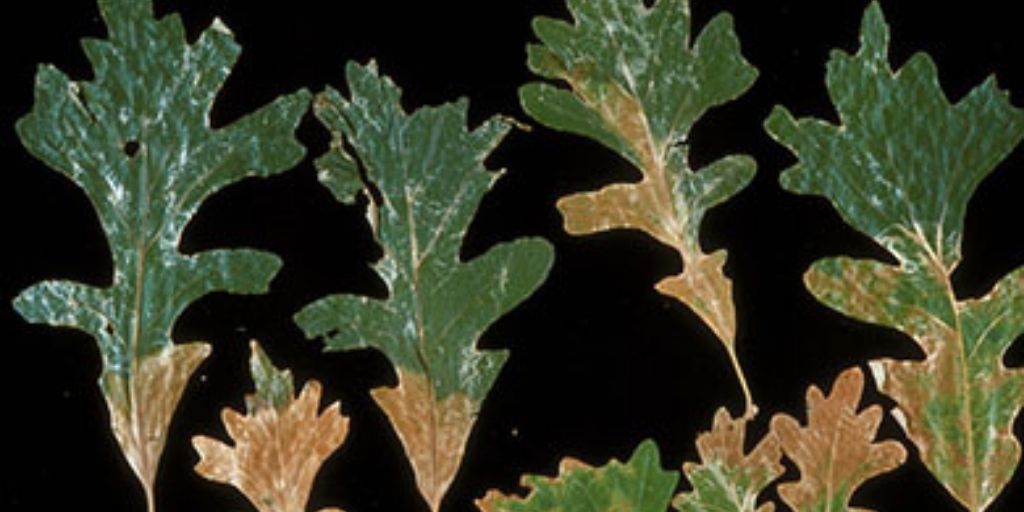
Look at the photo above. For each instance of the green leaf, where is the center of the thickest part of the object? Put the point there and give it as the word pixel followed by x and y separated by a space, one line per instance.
pixel 429 171
pixel 637 85
pixel 137 139
pixel 901 168
pixel 727 479
pixel 638 485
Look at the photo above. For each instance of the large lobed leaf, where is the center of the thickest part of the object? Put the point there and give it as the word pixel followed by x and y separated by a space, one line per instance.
pixel 638 485
pixel 137 139
pixel 637 85
pixel 901 168
pixel 428 170
pixel 279 444
pixel 727 479
pixel 836 451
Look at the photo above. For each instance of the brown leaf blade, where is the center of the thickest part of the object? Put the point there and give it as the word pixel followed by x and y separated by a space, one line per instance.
pixel 727 479
pixel 279 445
pixel 836 451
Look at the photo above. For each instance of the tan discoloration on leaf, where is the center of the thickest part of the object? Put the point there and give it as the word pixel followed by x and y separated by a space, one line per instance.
pixel 705 288
pixel 836 452
pixel 650 205
pixel 277 451
pixel 957 405
pixel 433 432
pixel 141 408
pixel 725 470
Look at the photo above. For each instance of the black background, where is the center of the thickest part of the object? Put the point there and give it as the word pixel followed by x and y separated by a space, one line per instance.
pixel 599 360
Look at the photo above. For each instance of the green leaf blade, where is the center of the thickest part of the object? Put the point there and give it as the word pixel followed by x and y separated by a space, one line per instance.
pixel 137 139
pixel 902 181
pixel 637 485
pixel 428 169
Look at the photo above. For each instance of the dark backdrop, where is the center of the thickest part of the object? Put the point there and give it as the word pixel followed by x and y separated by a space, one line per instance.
pixel 599 361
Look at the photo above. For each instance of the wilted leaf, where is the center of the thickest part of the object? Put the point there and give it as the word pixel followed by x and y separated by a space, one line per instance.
pixel 835 452
pixel 429 172
pixel 902 168
pixel 280 443
pixel 727 479
pixel 637 85
pixel 639 485
pixel 137 139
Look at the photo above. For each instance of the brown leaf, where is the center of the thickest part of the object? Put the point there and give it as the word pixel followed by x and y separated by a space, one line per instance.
pixel 835 452
pixel 141 408
pixel 433 432
pixel 278 450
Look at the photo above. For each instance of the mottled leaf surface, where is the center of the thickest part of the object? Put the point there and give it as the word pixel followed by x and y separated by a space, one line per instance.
pixel 727 479
pixel 637 84
pixel 429 171
pixel 901 168
pixel 279 444
pixel 638 485
pixel 137 140
pixel 836 451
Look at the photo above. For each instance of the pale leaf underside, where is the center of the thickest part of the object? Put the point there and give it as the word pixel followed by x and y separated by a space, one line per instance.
pixel 836 451
pixel 137 139
pixel 637 85
pixel 902 168
pixel 428 169
pixel 279 444
pixel 638 485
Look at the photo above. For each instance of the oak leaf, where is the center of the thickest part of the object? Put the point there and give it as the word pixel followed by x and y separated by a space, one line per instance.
pixel 279 444
pixel 428 170
pixel 137 139
pixel 901 168
pixel 727 479
pixel 836 451
pixel 638 485
pixel 637 85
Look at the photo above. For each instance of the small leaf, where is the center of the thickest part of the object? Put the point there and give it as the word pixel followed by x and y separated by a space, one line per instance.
pixel 429 171
pixel 902 168
pixel 637 86
pixel 835 452
pixel 137 140
pixel 727 479
pixel 280 443
pixel 639 485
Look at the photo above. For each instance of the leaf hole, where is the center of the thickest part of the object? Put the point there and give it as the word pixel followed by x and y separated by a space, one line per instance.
pixel 130 148
pixel 108 328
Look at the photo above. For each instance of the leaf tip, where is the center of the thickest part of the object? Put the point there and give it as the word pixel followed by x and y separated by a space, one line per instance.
pixel 874 34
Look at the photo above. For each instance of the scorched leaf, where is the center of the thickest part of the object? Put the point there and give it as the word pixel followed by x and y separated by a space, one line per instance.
pixel 836 451
pixel 429 171
pixel 901 168
pixel 279 444
pixel 727 479
pixel 137 139
pixel 637 85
